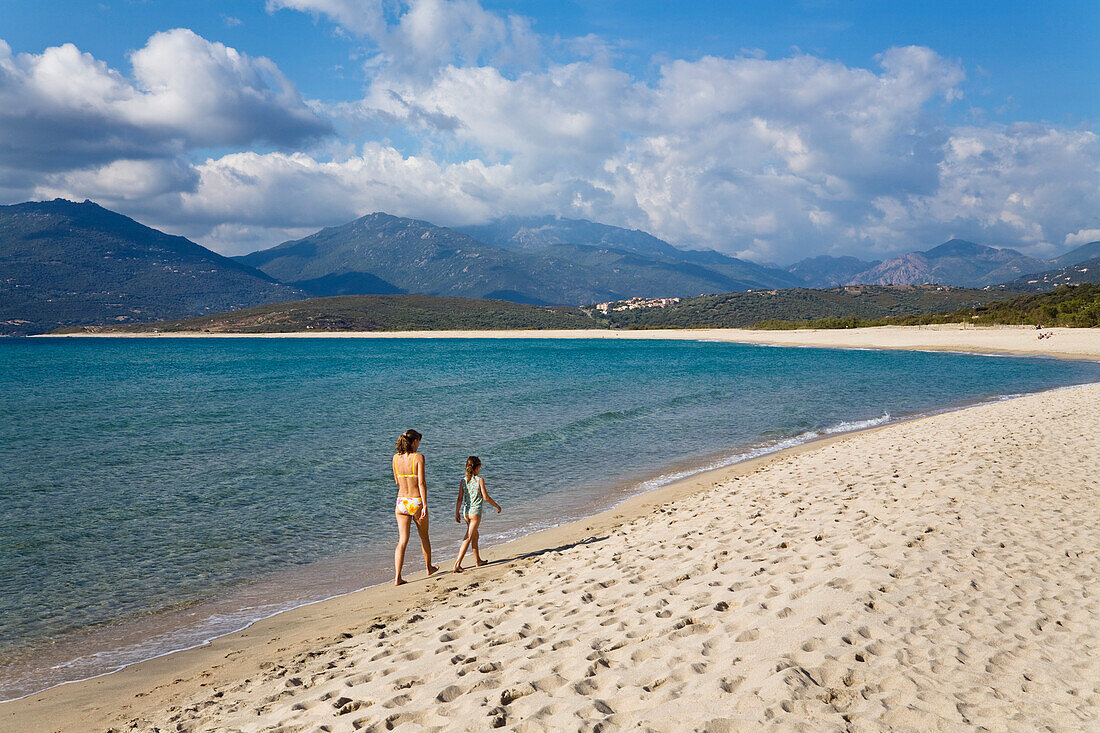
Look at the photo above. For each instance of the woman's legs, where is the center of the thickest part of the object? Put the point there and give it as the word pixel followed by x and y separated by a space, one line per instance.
pixel 403 521
pixel 425 544
pixel 472 522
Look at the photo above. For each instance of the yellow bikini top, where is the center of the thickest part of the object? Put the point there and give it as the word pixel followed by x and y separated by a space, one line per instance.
pixel 414 474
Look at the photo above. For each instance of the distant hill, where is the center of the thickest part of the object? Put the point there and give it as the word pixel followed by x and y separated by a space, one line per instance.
pixel 537 232
pixel 380 253
pixel 425 312
pixel 826 271
pixel 742 310
pixel 560 236
pixel 1075 256
pixel 956 262
pixel 1069 305
pixel 1041 282
pixel 370 313
pixel 65 263
pixel 1076 306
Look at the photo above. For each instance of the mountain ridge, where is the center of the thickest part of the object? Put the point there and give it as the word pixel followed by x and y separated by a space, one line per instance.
pixel 956 262
pixel 413 255
pixel 64 263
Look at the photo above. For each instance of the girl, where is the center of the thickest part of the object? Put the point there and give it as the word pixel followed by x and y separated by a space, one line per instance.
pixel 412 501
pixel 471 493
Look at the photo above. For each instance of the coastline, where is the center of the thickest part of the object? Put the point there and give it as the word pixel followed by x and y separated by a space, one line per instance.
pixel 374 604
pixel 153 688
pixel 1066 343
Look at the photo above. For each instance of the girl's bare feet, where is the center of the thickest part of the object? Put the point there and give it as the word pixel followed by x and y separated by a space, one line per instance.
pixel 458 569
pixel 482 562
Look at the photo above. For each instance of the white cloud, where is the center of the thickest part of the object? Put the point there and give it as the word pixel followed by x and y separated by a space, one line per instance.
pixel 1022 185
pixel 1081 236
pixel 64 109
pixel 775 159
pixel 419 36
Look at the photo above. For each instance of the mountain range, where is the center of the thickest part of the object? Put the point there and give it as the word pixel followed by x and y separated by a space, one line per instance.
pixel 64 263
pixel 955 262
pixel 544 261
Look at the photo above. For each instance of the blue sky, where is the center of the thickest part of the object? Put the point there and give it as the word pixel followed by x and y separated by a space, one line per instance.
pixel 772 130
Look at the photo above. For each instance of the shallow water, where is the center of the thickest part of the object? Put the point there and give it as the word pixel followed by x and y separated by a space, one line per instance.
pixel 156 492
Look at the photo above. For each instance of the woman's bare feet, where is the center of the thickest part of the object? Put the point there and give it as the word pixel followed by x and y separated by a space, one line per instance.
pixel 482 562
pixel 458 569
pixel 400 581
pixel 432 569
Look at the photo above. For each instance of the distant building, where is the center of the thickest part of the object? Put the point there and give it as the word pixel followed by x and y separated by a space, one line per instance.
pixel 635 303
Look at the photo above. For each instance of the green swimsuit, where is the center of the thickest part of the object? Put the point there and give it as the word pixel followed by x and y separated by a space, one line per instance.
pixel 471 497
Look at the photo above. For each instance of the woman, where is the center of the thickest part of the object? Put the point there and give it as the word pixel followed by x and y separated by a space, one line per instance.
pixel 412 501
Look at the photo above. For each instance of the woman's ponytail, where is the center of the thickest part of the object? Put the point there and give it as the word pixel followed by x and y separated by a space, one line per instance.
pixel 406 441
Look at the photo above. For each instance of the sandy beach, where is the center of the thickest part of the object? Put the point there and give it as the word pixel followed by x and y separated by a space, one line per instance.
pixel 929 575
pixel 1067 343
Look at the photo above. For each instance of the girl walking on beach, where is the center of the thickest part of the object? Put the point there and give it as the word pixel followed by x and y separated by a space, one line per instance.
pixel 412 501
pixel 471 494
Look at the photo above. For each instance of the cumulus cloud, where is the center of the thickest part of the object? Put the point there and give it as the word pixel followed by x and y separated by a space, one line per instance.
pixel 1082 236
pixel 772 159
pixel 419 36
pixel 64 109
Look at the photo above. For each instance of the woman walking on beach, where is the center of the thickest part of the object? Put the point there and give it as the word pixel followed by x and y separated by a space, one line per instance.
pixel 471 494
pixel 412 501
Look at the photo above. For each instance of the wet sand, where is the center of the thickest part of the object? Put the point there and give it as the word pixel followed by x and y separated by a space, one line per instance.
pixel 928 575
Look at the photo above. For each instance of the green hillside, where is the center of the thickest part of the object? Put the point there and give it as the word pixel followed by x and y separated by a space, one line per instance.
pixel 64 263
pixel 370 313
pixel 744 310
pixel 847 307
pixel 1069 305
pixel 1076 306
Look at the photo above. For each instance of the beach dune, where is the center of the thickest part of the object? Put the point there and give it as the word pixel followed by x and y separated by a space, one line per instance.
pixel 930 575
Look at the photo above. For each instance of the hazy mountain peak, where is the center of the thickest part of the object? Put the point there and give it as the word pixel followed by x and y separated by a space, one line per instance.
pixel 1078 254
pixel 827 271
pixel 959 248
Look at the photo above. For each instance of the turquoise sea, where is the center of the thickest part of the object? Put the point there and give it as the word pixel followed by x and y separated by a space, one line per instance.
pixel 155 493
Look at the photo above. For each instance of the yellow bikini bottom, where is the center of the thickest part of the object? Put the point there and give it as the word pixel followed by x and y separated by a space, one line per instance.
pixel 409 505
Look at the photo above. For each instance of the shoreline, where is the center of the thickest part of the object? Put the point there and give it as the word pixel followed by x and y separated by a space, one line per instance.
pixel 1066 343
pixel 623 492
pixel 157 681
pixel 373 600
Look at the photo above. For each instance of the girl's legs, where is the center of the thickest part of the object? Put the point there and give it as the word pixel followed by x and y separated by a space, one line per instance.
pixel 403 521
pixel 426 544
pixel 473 542
pixel 472 521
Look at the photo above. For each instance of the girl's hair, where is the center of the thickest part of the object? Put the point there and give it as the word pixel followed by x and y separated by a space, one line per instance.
pixel 472 464
pixel 405 442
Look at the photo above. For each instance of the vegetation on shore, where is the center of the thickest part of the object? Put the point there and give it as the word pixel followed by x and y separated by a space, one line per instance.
pixel 368 313
pixel 1070 305
pixel 748 309
pixel 838 308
